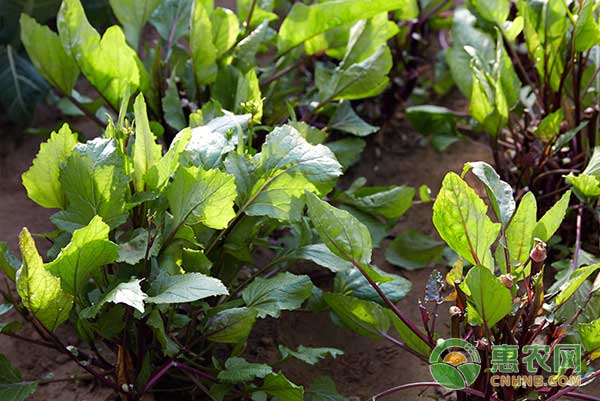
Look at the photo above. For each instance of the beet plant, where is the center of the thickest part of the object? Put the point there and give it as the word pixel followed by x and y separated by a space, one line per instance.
pixel 495 294
pixel 163 263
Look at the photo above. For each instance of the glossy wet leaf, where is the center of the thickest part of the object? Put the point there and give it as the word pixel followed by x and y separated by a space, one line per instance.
pixel 414 250
pixel 285 291
pixel 40 290
pixel 42 179
pixel 460 217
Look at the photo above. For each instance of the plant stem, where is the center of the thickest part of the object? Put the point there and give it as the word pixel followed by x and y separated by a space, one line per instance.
pixel 404 347
pixel 575 264
pixel 393 306
pixel 249 17
pixel 282 73
pixel 429 384
pixel 174 364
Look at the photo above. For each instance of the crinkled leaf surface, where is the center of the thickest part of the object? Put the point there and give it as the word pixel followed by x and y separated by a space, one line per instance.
pixel 309 355
pixel 239 370
pixel 183 288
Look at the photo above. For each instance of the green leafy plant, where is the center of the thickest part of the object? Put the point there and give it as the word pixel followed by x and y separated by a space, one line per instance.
pixel 500 299
pixel 154 257
pixel 204 58
pixel 530 72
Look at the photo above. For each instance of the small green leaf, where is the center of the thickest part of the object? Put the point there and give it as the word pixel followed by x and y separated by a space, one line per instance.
pixel 48 55
pixel 200 196
pixel 278 386
pixel 42 179
pixel 495 11
pixel 352 282
pixel 347 150
pixel 519 234
pixel 309 355
pixel 460 217
pixel 12 386
pixel 128 293
pixel 587 31
pixel 408 336
pixel 40 290
pixel 346 120
pixel 364 317
pixel 88 251
pixel 551 220
pixel 413 250
pixel 225 29
pixel 238 370
pixel 133 15
pixel 159 174
pixel 184 288
pixel 489 300
pixel 321 255
pixel 231 326
pixel 285 291
pixel 576 279
pixel 390 202
pixel 172 106
pixel 9 263
pixel 549 127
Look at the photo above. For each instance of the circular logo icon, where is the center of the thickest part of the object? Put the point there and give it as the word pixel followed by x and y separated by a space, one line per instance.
pixel 455 364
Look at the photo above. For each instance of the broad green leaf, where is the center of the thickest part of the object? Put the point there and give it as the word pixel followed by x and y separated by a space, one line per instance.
pixel 225 29
pixel 363 317
pixel 94 183
pixel 88 251
pixel 321 255
pixel 48 55
pixel 128 293
pixel 279 387
pixel 155 321
pixel 519 234
pixel 499 192
pixel 345 119
pixel 347 150
pixel 22 86
pixel 108 63
pixel 286 150
pixel 133 15
pixel 576 279
pixel 366 36
pixel 460 217
pixel 305 22
pixel 323 389
pixel 309 355
pixel 12 386
pixel 274 197
pixel 549 127
pixel 285 291
pixel 146 152
pixel 244 53
pixel 9 263
pixel 231 326
pixel 238 370
pixel 203 51
pixel 495 11
pixel 366 78
pixel 184 288
pixel 390 202
pixel 242 167
pixel 551 220
pixel 159 174
pixel 414 250
pixel 408 336
pixel 42 179
pixel 377 229
pixel 432 120
pixel 352 282
pixel 587 31
pixel 488 299
pixel 585 186
pixel 40 290
pixel 201 196
pixel 343 234
pixel 590 337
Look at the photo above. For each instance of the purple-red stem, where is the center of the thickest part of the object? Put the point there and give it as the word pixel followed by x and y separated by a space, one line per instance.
pixel 174 364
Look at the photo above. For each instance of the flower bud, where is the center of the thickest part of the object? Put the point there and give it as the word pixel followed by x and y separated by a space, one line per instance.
pixel 507 280
pixel 538 253
pixel 455 311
